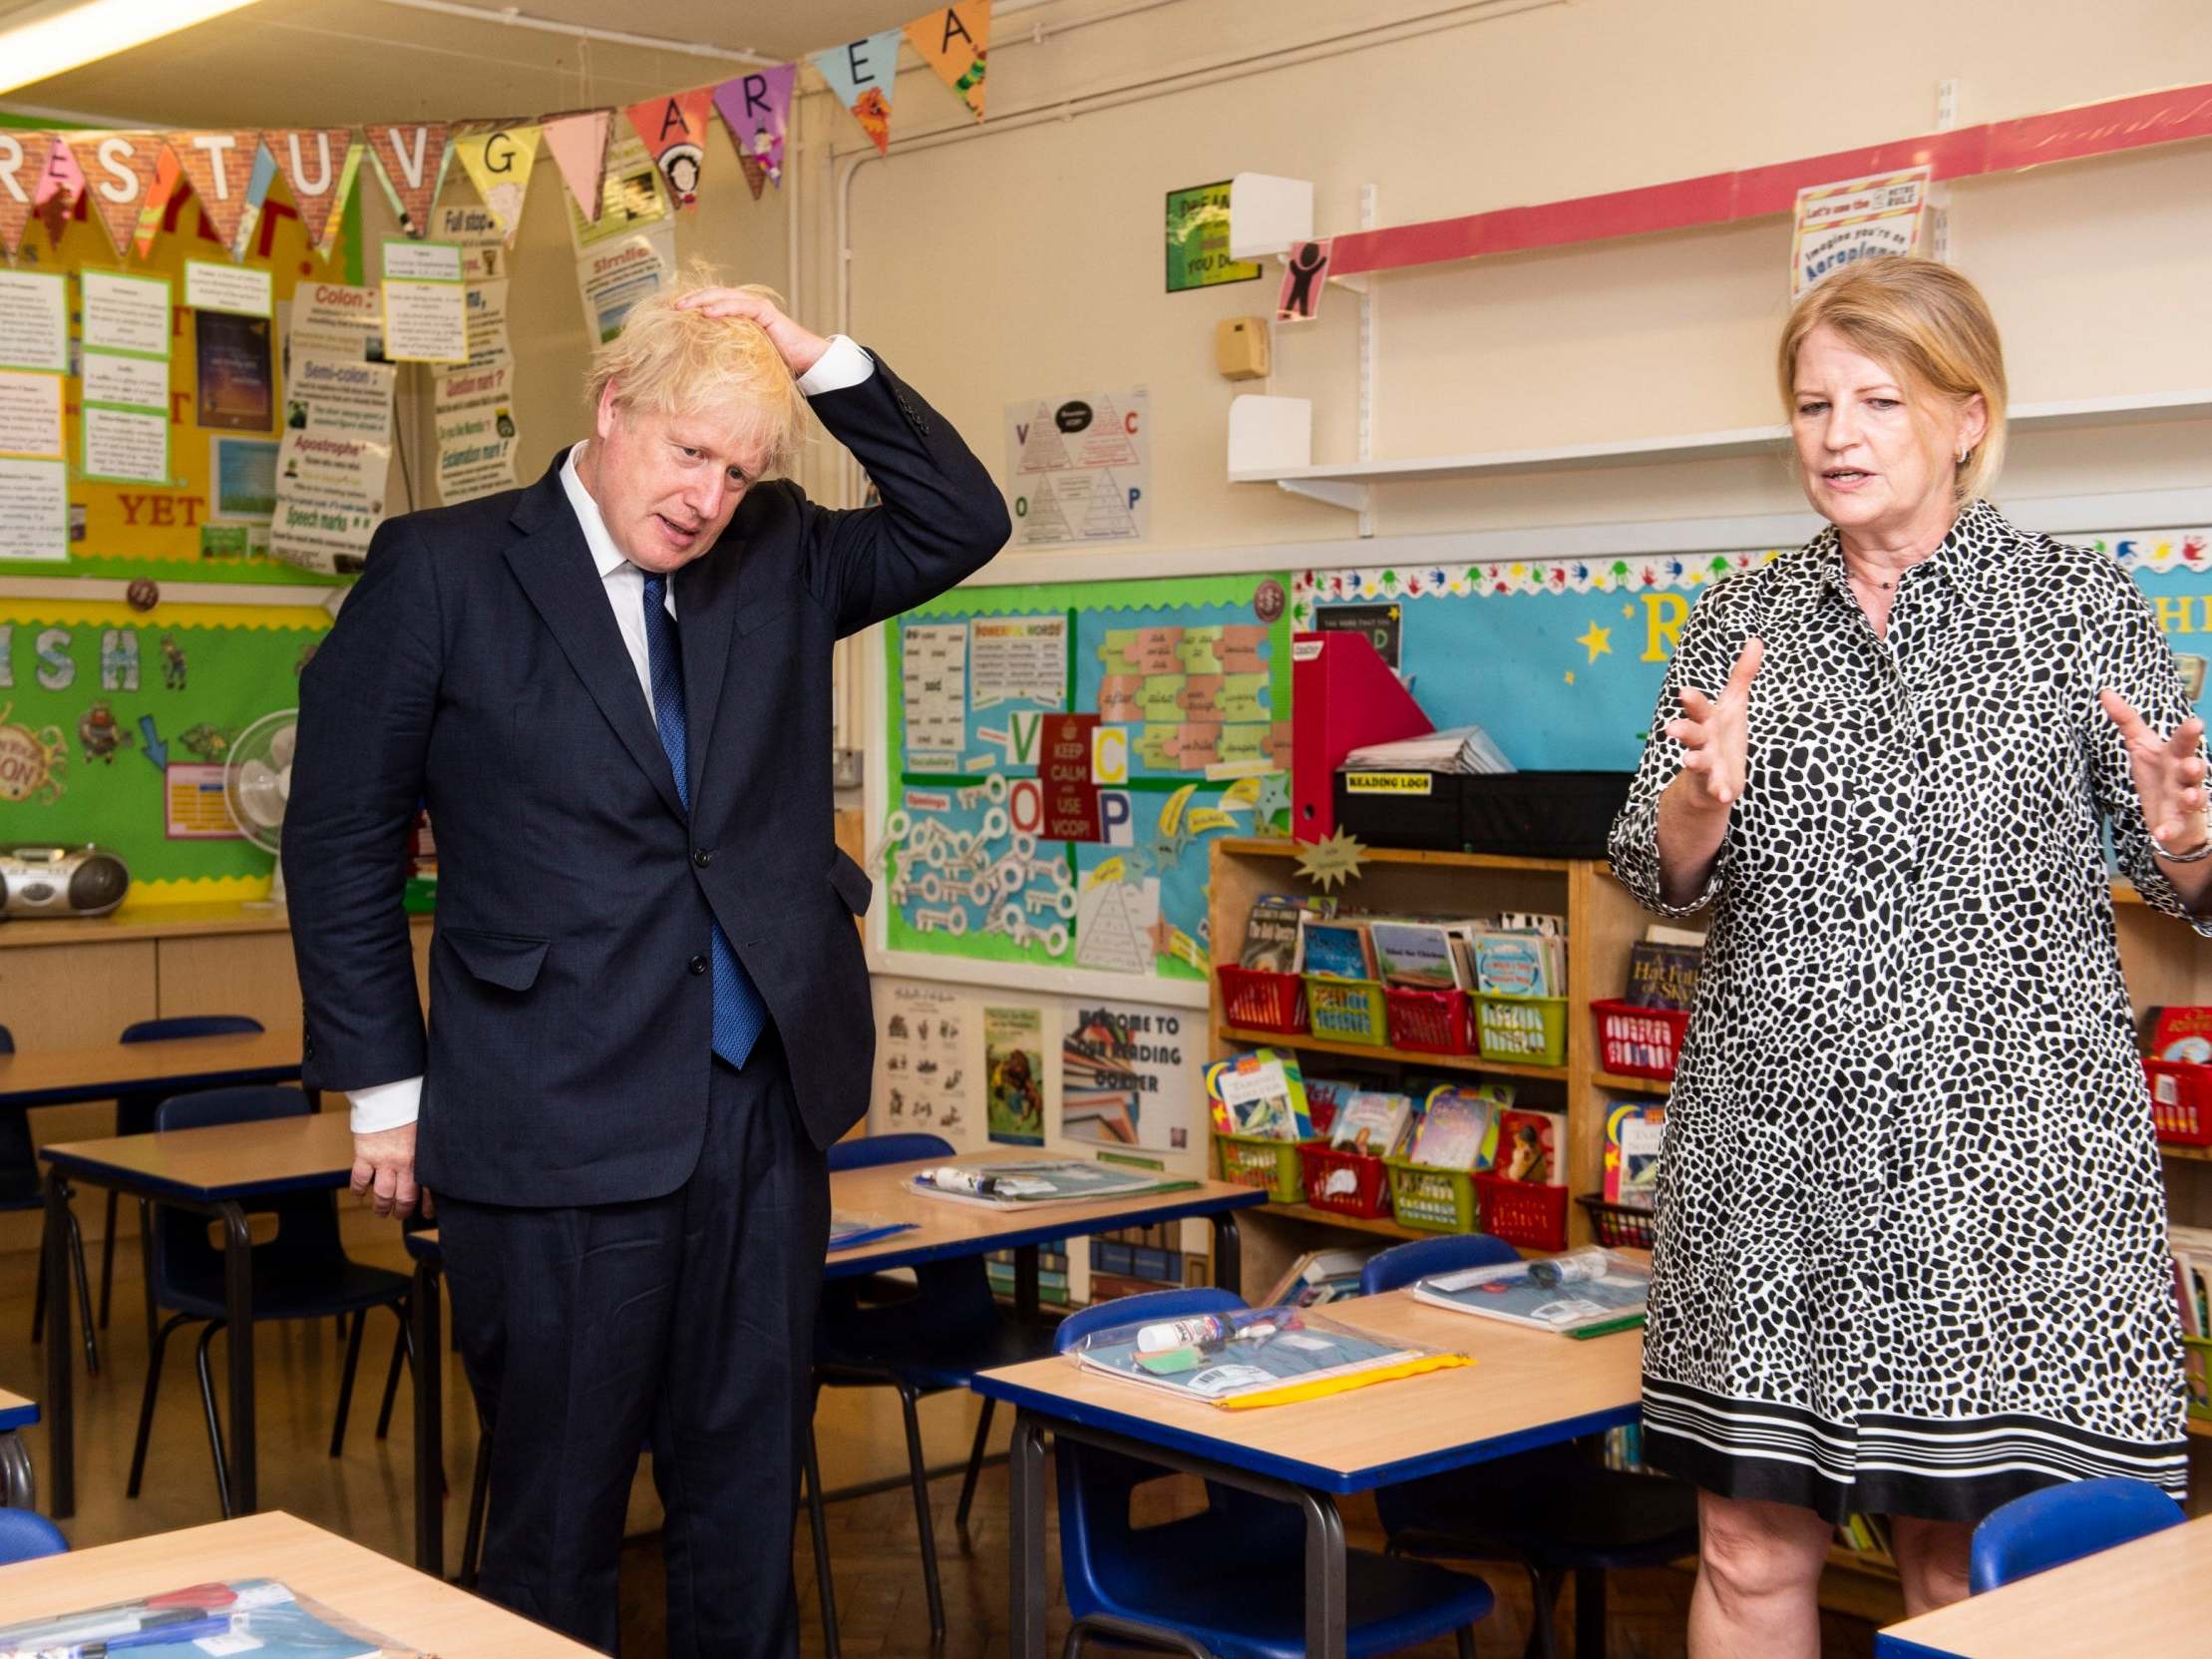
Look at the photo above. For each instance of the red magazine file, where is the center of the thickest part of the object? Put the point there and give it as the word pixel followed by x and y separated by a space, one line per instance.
pixel 1342 696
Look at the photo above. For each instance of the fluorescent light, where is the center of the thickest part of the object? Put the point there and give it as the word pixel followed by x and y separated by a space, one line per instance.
pixel 56 36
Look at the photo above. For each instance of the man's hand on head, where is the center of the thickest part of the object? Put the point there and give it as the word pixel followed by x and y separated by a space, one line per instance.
pixel 801 348
pixel 384 1173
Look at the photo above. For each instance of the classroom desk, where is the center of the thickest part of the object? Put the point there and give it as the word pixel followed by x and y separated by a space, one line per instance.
pixel 943 1230
pixel 57 1076
pixel 390 1599
pixel 1526 1388
pixel 18 1486
pixel 212 1171
pixel 2153 1596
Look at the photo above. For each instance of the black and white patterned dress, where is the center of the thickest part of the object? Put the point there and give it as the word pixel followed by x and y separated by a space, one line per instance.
pixel 1911 1230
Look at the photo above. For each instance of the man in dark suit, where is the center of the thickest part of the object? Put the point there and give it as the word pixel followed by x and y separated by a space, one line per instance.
pixel 649 1006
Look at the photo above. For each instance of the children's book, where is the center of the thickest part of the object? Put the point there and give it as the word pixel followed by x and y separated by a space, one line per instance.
pixel 1373 1123
pixel 1531 1145
pixel 1251 1357
pixel 1331 950
pixel 1259 1094
pixel 1587 1291
pixel 1634 1131
pixel 1322 1276
pixel 1272 930
pixel 1458 1126
pixel 1518 965
pixel 246 1615
pixel 1417 955
pixel 1664 976
pixel 1325 1099
pixel 1018 1184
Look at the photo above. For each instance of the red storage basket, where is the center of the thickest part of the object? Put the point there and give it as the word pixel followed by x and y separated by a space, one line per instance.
pixel 1618 1226
pixel 1638 1042
pixel 1429 1021
pixel 1526 1213
pixel 1255 999
pixel 1370 1195
pixel 2180 1101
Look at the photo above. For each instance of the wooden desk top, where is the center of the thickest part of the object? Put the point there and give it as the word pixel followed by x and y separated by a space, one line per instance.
pixel 944 1227
pixel 2153 1596
pixel 16 1412
pixel 1525 1389
pixel 392 1600
pixel 230 1160
pixel 55 1077
pixel 153 921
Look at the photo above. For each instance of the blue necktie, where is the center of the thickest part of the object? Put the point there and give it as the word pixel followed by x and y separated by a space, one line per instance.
pixel 739 1013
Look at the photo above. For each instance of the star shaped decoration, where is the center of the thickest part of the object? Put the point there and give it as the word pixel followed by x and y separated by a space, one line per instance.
pixel 1274 795
pixel 1570 677
pixel 1595 640
pixel 1329 863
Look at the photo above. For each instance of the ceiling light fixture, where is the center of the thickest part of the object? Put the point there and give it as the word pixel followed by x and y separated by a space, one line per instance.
pixel 55 36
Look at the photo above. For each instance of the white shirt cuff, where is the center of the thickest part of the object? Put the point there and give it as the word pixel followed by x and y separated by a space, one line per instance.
pixel 843 364
pixel 386 1105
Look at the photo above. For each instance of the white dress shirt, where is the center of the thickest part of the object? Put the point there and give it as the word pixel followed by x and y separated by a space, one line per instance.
pixel 388 1106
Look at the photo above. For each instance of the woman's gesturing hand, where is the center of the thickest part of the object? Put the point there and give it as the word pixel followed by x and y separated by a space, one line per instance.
pixel 2169 775
pixel 1713 733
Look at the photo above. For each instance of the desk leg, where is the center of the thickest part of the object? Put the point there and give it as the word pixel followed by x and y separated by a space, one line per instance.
pixel 237 1283
pixel 1228 1254
pixel 1325 1575
pixel 1025 1284
pixel 18 1485
pixel 423 1313
pixel 1025 1537
pixel 61 1424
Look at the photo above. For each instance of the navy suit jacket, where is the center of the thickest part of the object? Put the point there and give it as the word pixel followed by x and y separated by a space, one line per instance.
pixel 477 665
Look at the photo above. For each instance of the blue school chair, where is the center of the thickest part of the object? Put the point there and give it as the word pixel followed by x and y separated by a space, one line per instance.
pixel 28 1537
pixel 2058 1524
pixel 19 1190
pixel 1230 1581
pixel 303 1273
pixel 934 1340
pixel 1551 1509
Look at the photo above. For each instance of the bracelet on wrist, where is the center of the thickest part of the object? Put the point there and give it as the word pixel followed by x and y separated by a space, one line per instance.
pixel 2202 852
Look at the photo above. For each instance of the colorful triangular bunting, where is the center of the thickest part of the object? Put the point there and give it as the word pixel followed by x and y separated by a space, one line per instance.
pixel 168 178
pixel 861 74
pixel 22 161
pixel 756 108
pixel 221 167
pixel 579 146
pixel 675 129
pixel 124 169
pixel 498 160
pixel 319 165
pixel 411 160
pixel 955 39
pixel 58 186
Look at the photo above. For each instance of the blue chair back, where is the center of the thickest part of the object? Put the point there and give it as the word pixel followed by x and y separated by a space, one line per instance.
pixel 1401 1264
pixel 28 1537
pixel 7 1041
pixel 2058 1524
pixel 192 1025
pixel 307 1246
pixel 19 1167
pixel 872 1151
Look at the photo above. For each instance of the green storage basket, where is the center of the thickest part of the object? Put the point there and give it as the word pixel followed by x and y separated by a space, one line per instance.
pixel 1347 1011
pixel 2197 1363
pixel 1530 1029
pixel 1434 1200
pixel 1262 1162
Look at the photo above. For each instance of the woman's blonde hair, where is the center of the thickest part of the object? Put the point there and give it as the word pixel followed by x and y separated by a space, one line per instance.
pixel 675 362
pixel 1926 322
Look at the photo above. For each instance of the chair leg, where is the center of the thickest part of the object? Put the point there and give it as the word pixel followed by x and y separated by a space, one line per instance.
pixel 818 1523
pixel 108 1257
pixel 214 1423
pixel 146 1269
pixel 403 1350
pixel 345 1384
pixel 480 1488
pixel 919 1472
pixel 1590 1613
pixel 84 1296
pixel 1544 1589
pixel 1072 1648
pixel 38 1297
pixel 146 1404
pixel 975 1467
pixel 1466 1637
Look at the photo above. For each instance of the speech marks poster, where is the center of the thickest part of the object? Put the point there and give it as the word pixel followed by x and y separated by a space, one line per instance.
pixel 1079 469
pixel 1013 1067
pixel 929 1059
pixel 1065 752
pixel 1129 1074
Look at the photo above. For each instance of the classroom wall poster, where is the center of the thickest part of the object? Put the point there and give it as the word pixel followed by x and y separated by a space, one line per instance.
pixel 929 1059
pixel 1857 218
pixel 1013 1065
pixel 1129 1074
pixel 1079 469
pixel 1198 240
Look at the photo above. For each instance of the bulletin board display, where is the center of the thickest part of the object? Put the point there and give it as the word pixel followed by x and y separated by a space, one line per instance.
pixel 208 521
pixel 115 725
pixel 1062 754
pixel 1560 660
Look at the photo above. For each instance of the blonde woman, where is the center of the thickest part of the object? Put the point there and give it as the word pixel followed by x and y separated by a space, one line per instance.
pixel 1911 1230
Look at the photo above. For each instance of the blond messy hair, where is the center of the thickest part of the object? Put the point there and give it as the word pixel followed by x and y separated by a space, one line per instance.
pixel 675 362
pixel 1928 325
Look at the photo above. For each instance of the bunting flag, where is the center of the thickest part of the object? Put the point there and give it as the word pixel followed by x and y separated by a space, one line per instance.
pixel 675 129
pixel 955 42
pixel 319 165
pixel 861 73
pixel 411 162
pixel 220 165
pixel 22 164
pixel 756 108
pixel 124 166
pixel 168 178
pixel 579 146
pixel 257 195
pixel 498 160
pixel 58 186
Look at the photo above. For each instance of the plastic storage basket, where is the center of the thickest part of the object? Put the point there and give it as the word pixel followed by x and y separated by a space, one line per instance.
pixel 1523 1212
pixel 1618 1226
pixel 1531 1029
pixel 2180 1101
pixel 1429 1021
pixel 1255 1000
pixel 1346 1011
pixel 1436 1200
pixel 1260 1162
pixel 1637 1042
pixel 1339 1179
